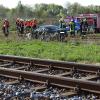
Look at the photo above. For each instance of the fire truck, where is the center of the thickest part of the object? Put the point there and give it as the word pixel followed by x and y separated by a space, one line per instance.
pixel 92 19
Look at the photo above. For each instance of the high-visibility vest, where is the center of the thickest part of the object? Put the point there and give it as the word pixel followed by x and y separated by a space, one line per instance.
pixel 72 26
pixel 34 22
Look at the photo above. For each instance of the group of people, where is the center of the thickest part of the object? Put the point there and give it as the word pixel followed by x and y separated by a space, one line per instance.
pixel 28 26
pixel 22 26
pixel 72 25
pixel 25 26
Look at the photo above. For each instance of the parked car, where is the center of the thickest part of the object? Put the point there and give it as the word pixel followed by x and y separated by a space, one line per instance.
pixel 49 31
pixel 47 28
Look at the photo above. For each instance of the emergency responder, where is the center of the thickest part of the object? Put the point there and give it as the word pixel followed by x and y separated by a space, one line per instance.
pixel 27 26
pixel 84 27
pixel 34 26
pixel 72 27
pixel 62 23
pixel 34 23
pixel 18 25
pixel 5 27
pixel 21 26
pixel 63 31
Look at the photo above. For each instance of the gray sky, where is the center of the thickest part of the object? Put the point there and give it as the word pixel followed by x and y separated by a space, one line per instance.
pixel 13 3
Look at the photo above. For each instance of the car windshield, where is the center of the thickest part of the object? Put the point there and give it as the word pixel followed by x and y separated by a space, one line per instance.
pixel 51 27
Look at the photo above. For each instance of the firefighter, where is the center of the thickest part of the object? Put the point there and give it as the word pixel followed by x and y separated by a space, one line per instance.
pixel 61 22
pixel 72 27
pixel 34 26
pixel 34 23
pixel 26 24
pixel 5 27
pixel 18 25
pixel 63 32
pixel 21 26
pixel 84 27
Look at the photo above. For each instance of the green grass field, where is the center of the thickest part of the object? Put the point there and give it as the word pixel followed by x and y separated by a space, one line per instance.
pixel 77 52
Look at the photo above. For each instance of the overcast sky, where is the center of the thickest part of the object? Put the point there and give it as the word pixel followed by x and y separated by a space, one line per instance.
pixel 13 3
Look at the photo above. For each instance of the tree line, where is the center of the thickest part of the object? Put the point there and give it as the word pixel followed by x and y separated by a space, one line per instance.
pixel 45 12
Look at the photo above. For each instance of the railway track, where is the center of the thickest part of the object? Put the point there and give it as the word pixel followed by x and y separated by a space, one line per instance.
pixel 75 79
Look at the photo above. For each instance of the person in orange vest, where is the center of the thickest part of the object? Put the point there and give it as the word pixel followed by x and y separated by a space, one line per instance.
pixel 18 25
pixel 27 26
pixel 5 27
pixel 34 26
pixel 21 26
pixel 31 25
pixel 34 23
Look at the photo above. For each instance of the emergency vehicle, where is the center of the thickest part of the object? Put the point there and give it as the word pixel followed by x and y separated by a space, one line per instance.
pixel 93 20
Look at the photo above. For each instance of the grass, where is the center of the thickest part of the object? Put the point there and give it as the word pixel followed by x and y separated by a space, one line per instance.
pixel 76 52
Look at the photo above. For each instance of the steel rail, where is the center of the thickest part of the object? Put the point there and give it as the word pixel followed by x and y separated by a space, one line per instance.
pixel 65 82
pixel 53 63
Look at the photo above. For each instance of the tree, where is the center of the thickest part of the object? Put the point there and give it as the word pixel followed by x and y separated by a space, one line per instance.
pixel 20 9
pixel 3 11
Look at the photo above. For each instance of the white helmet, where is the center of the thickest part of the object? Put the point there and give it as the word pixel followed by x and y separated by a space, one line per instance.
pixel 5 19
pixel 72 20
